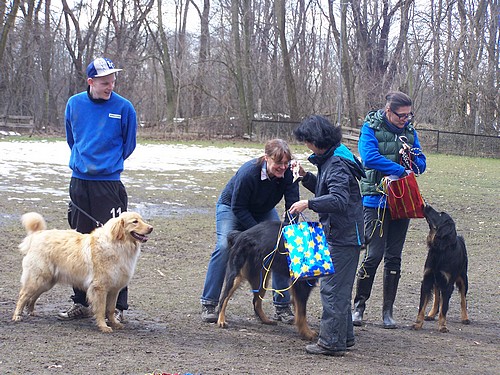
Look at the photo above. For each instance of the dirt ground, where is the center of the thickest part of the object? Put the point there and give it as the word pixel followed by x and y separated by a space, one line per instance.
pixel 164 333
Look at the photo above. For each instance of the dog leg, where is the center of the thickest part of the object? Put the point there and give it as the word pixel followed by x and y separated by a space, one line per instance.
pixel 445 303
pixel 30 306
pixel 226 296
pixel 255 282
pixel 110 309
pixel 33 285
pixel 23 299
pixel 257 307
pixel 435 306
pixel 27 298
pixel 258 296
pixel 425 293
pixel 300 292
pixel 462 288
pixel 97 298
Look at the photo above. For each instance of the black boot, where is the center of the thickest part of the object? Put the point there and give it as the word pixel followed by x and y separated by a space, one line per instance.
pixel 391 281
pixel 363 290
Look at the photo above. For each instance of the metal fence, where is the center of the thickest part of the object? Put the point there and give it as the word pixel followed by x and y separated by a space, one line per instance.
pixel 431 140
pixel 262 130
pixel 445 142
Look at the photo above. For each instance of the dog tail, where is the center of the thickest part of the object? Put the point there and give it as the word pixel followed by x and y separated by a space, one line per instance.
pixel 33 222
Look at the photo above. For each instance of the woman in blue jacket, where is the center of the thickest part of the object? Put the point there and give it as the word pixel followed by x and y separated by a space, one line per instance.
pixel 386 137
pixel 338 202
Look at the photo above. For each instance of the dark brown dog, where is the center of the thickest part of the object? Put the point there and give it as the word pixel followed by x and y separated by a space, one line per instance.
pixel 248 251
pixel 445 266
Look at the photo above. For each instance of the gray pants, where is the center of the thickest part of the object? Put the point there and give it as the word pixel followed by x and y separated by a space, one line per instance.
pixel 336 327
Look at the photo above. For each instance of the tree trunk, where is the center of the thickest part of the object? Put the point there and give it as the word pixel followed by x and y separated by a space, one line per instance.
pixel 203 54
pixel 8 25
pixel 287 66
pixel 170 89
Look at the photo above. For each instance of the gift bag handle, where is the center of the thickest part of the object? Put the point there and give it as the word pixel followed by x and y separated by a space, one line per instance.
pixel 292 219
pixel 392 190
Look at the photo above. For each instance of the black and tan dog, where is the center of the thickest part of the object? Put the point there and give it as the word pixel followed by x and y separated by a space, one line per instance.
pixel 248 252
pixel 445 266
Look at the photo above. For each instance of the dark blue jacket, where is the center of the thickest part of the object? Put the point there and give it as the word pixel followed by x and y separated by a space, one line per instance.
pixel 247 194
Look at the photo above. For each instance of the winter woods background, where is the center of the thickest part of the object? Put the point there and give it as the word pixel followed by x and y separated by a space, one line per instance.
pixel 244 59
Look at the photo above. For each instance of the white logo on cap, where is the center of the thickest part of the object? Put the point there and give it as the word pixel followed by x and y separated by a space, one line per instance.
pixel 104 67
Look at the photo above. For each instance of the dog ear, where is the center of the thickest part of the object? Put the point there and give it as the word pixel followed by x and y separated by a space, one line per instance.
pixel 447 231
pixel 118 229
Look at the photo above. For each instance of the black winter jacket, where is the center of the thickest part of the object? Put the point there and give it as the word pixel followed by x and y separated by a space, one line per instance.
pixel 337 195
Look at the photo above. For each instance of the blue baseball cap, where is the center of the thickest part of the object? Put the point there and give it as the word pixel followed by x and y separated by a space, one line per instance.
pixel 101 67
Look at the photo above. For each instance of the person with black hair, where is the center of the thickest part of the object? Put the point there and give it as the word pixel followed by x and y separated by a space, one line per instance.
pixel 338 202
pixel 385 137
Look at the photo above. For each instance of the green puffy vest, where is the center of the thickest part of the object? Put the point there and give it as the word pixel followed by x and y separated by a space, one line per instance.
pixel 388 146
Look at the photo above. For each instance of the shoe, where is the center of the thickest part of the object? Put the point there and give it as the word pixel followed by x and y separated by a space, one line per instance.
pixel 318 349
pixel 390 288
pixel 350 343
pixel 284 314
pixel 208 314
pixel 357 318
pixel 76 311
pixel 119 316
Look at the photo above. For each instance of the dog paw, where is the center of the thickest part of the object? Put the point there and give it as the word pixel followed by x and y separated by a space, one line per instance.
pixel 466 321
pixel 311 335
pixel 117 325
pixel 430 318
pixel 443 329
pixel 105 329
pixel 17 318
pixel 417 326
pixel 222 324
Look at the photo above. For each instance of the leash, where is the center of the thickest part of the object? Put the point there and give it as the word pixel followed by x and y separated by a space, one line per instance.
pixel 408 153
pixel 97 222
pixel 267 262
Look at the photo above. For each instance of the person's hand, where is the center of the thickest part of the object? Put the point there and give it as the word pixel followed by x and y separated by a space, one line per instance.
pixel 299 207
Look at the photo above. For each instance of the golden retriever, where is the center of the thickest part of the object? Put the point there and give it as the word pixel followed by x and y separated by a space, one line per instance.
pixel 101 263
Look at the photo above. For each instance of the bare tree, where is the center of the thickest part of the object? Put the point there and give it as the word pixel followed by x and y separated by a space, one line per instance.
pixel 264 56
pixel 279 6
pixel 203 54
pixel 165 62
pixel 79 42
pixel 10 18
pixel 44 36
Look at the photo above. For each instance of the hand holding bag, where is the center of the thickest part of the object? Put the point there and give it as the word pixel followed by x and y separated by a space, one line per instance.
pixel 403 197
pixel 308 253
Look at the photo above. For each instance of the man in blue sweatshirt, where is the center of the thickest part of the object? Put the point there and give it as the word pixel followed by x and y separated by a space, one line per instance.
pixel 101 129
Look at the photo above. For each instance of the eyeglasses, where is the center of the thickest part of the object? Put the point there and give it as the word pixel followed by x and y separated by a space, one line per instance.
pixel 403 116
pixel 280 163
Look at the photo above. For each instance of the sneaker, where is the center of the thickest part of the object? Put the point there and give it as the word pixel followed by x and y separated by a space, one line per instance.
pixel 208 314
pixel 320 350
pixel 119 316
pixel 284 314
pixel 76 311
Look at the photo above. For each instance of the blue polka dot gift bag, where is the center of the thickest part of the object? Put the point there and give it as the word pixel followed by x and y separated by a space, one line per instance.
pixel 308 254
